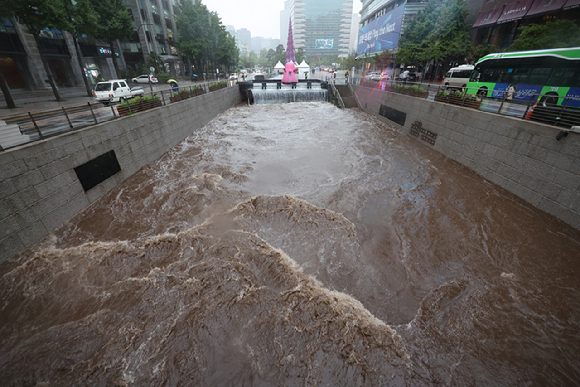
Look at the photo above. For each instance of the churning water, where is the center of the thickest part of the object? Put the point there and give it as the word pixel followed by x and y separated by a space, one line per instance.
pixel 297 244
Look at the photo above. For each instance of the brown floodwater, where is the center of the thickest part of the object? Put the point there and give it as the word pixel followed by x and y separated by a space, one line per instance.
pixel 300 245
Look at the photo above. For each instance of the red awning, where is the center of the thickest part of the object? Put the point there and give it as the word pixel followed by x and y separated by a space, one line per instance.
pixel 543 6
pixel 515 11
pixel 488 17
pixel 572 4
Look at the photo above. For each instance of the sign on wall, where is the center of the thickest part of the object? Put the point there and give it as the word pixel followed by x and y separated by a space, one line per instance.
pixel 382 33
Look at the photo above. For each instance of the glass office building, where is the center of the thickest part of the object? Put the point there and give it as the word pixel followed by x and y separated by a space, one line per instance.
pixel 321 27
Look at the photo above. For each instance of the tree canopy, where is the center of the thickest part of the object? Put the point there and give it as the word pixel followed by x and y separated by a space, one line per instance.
pixel 203 38
pixel 438 33
pixel 553 34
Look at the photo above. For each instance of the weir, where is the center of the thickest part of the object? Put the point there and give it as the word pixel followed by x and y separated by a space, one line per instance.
pixel 274 91
pixel 287 94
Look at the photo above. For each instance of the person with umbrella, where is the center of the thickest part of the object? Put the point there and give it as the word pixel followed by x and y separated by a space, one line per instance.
pixel 174 85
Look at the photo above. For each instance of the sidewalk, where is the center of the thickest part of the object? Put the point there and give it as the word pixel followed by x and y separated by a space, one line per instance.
pixel 44 100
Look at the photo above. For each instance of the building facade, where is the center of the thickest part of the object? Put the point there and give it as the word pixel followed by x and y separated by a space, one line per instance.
pixel 321 27
pixel 155 32
pixel 496 22
pixel 20 55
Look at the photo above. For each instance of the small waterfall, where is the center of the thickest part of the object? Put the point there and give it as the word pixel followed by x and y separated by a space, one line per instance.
pixel 287 94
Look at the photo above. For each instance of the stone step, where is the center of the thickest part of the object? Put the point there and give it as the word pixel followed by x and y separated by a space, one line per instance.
pixel 10 135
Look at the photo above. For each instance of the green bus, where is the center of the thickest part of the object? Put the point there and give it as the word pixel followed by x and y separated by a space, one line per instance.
pixel 521 75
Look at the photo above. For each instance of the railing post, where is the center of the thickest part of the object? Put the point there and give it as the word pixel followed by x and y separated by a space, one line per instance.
pixel 163 98
pixel 129 106
pixel 113 110
pixel 35 125
pixel 561 111
pixel 502 101
pixel 463 100
pixel 93 113
pixel 68 119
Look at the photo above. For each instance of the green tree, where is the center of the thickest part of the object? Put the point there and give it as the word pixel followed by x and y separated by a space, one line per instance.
pixel 114 22
pixel 203 38
pixel 438 35
pixel 280 54
pixel 553 34
pixel 299 55
pixel 193 31
pixel 264 58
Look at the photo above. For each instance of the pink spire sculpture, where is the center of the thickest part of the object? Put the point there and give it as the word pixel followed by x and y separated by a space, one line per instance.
pixel 290 45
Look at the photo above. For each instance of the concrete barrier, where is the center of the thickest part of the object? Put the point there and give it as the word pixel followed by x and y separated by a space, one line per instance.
pixel 40 190
pixel 521 156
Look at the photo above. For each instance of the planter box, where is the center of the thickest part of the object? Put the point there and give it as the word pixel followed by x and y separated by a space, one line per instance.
pixel 412 93
pixel 125 111
pixel 458 101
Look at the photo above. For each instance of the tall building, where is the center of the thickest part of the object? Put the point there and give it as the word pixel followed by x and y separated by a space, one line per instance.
pixel 353 33
pixel 245 37
pixel 321 27
pixel 156 32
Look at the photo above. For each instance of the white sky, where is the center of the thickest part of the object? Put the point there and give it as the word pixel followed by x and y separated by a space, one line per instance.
pixel 261 17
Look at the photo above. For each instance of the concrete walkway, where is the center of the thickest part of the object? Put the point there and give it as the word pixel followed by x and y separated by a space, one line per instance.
pixel 44 100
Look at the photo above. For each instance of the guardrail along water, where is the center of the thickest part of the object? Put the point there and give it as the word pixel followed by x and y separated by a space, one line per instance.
pixel 36 126
pixel 293 244
pixel 544 108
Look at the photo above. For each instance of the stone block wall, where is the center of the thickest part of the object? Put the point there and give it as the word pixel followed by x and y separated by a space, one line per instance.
pixel 39 189
pixel 521 156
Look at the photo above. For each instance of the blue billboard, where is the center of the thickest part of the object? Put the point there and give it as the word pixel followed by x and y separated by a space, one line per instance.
pixel 382 33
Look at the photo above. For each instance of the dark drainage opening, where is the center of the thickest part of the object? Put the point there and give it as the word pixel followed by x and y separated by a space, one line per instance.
pixel 97 170
pixel 393 114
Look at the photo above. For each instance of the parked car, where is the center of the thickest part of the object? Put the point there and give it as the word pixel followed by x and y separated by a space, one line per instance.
pixel 145 79
pixel 114 90
pixel 375 76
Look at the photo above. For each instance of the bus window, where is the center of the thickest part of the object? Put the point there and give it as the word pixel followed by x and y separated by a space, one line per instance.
pixel 475 76
pixel 520 76
pixel 565 77
pixel 540 76
pixel 489 75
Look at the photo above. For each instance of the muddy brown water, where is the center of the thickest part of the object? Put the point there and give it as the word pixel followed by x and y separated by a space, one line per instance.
pixel 297 245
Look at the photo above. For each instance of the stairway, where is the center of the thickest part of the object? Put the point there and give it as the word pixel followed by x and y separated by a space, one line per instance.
pixel 10 135
pixel 347 97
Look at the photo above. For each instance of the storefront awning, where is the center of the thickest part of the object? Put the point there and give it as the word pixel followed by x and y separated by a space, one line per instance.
pixel 515 11
pixel 488 17
pixel 572 4
pixel 543 6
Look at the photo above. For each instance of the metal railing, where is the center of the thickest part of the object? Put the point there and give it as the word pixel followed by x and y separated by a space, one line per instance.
pixel 354 95
pixel 547 108
pixel 336 93
pixel 39 126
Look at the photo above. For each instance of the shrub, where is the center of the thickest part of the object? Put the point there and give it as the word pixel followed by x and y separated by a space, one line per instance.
pixel 137 100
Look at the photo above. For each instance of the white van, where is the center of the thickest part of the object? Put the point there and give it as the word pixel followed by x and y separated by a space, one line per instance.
pixel 458 77
pixel 112 91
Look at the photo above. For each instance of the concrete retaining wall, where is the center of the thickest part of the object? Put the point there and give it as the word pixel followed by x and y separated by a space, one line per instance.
pixel 39 189
pixel 521 156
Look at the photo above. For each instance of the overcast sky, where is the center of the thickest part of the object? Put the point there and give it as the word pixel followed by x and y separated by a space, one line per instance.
pixel 261 17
